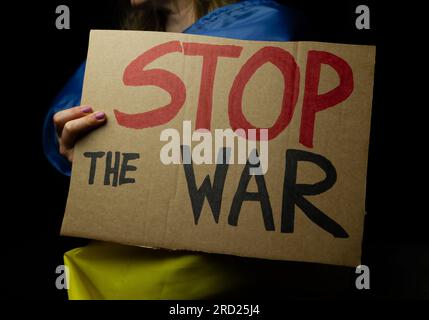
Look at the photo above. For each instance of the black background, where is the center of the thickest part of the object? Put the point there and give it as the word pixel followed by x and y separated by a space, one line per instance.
pixel 38 59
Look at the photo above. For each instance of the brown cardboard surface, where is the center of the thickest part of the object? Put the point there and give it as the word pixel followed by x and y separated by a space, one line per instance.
pixel 156 210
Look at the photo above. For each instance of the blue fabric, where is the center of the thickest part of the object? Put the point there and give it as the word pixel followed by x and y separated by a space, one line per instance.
pixel 68 97
pixel 263 20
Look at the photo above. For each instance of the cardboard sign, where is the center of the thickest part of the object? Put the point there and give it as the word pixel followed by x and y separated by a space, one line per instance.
pixel 304 105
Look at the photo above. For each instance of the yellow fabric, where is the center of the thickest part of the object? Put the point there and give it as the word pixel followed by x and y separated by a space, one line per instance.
pixel 110 271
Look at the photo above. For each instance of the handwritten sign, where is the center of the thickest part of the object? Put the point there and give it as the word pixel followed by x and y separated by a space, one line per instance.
pixel 152 176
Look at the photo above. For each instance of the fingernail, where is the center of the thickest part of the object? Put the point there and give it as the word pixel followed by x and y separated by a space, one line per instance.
pixel 100 115
pixel 86 109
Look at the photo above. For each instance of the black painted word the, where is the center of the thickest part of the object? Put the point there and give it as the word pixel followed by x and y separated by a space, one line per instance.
pixel 115 172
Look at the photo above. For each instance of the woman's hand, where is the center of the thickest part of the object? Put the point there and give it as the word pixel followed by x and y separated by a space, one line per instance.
pixel 73 123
